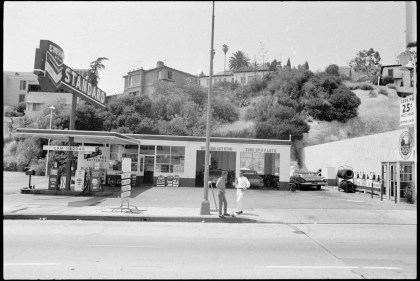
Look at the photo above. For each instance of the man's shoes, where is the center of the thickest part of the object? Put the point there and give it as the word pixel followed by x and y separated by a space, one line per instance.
pixel 222 216
pixel 226 215
pixel 238 213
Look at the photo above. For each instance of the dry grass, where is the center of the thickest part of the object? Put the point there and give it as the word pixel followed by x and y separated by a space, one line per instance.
pixel 376 115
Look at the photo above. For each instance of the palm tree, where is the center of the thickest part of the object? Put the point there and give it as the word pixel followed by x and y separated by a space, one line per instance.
pixel 225 49
pixel 238 60
pixel 93 72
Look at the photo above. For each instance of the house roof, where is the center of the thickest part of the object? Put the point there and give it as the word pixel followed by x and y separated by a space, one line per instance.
pixel 13 73
pixel 164 66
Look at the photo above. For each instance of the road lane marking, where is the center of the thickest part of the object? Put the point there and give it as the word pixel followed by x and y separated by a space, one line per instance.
pixel 31 263
pixel 332 267
pixel 119 246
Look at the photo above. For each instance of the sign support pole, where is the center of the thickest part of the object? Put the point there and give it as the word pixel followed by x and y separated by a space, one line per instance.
pixel 205 204
pixel 71 139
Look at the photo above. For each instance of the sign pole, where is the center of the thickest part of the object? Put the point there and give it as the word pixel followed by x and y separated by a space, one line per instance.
pixel 71 139
pixel 205 204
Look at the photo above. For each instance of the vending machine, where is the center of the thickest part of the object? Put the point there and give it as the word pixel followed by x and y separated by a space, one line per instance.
pixel 53 183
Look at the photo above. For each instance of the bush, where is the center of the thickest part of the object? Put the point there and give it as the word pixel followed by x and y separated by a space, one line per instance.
pixel 9 163
pixel 383 91
pixel 373 94
pixel 365 87
pixel 21 107
pixel 387 80
pixel 257 85
pixel 38 165
pixel 345 78
pixel 408 193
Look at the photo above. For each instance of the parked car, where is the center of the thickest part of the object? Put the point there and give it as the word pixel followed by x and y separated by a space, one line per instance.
pixel 253 177
pixel 307 178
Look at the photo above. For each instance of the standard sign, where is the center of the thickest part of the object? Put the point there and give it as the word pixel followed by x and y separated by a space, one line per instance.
pixel 407 111
pixel 54 75
pixel 70 148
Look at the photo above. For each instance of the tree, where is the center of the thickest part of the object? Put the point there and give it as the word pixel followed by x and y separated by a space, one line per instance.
pixel 332 69
pixel 306 65
pixel 272 66
pixel 238 61
pixel 262 53
pixel 367 62
pixel 21 107
pixel 225 50
pixel 93 72
pixel 288 63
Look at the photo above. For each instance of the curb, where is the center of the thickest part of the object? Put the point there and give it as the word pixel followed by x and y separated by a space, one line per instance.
pixel 65 192
pixel 127 218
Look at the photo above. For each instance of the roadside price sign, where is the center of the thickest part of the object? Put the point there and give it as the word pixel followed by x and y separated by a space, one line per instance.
pixel 125 182
pixel 125 194
pixel 126 188
pixel 407 111
pixel 125 175
pixel 124 200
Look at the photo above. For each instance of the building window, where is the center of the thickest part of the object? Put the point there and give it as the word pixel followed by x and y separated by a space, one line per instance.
pixel 134 93
pixel 199 82
pixel 147 149
pixel 243 80
pixel 402 83
pixel 169 74
pixel 390 72
pixel 33 88
pixel 22 85
pixel 135 79
pixel 170 159
pixel 159 73
pixel 21 98
pixel 36 106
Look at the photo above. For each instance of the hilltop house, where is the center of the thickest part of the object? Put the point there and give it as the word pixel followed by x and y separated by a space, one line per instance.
pixel 140 81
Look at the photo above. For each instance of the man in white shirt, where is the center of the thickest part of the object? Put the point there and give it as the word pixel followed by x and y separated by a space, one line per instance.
pixel 241 184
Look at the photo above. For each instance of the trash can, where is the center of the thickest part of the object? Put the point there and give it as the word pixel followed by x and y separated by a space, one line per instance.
pixel 30 173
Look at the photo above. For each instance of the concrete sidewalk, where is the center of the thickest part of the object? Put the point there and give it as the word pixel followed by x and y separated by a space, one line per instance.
pixel 182 204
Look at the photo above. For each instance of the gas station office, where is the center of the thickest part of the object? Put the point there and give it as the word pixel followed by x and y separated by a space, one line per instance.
pixel 155 157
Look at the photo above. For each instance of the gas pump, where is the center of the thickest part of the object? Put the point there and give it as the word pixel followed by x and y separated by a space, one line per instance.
pixel 96 179
pixel 54 177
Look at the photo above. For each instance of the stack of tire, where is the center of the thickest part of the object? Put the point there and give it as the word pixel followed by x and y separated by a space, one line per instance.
pixel 345 184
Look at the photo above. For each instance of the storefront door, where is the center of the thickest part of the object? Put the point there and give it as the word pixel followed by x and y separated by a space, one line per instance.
pixel 392 186
pixel 149 168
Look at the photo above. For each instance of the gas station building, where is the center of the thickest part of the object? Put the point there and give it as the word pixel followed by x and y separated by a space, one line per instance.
pixel 154 156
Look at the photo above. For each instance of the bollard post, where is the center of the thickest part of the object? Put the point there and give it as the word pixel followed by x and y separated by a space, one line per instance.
pixel 395 193
pixel 371 193
pixel 29 185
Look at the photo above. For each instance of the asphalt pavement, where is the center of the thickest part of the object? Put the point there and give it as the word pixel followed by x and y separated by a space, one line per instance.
pixel 183 204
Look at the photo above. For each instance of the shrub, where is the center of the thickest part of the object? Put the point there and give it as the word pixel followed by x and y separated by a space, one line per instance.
pixel 9 163
pixel 383 91
pixel 38 165
pixel 408 193
pixel 257 85
pixel 373 94
pixel 344 77
pixel 21 107
pixel 365 87
pixel 387 80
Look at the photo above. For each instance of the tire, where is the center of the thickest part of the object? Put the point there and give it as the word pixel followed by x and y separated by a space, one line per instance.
pixel 318 187
pixel 113 182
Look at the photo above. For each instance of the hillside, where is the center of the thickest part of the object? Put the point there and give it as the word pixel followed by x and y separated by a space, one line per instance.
pixel 377 113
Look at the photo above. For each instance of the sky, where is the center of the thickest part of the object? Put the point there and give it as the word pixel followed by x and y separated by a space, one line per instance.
pixel 138 34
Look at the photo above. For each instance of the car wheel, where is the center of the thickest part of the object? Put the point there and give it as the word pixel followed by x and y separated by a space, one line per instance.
pixel 318 187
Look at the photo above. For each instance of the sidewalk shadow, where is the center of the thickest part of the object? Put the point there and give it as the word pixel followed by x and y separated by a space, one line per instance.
pixel 135 191
pixel 92 201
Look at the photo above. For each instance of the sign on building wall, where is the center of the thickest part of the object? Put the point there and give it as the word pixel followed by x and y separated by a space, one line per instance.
pixel 54 75
pixel 405 145
pixel 407 111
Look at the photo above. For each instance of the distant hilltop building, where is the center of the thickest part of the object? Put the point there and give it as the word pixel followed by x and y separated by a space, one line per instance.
pixel 140 82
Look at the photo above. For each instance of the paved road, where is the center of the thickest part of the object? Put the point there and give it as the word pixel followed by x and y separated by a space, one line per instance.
pixel 123 250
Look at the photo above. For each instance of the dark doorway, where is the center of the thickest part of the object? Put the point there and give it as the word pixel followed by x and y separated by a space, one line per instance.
pixel 149 166
pixel 220 161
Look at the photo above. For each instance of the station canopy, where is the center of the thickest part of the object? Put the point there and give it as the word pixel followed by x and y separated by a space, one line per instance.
pixel 79 136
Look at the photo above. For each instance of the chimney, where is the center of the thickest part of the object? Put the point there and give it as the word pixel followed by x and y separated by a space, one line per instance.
pixel 159 64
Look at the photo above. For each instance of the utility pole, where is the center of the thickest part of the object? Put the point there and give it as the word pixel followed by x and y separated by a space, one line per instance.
pixel 205 205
